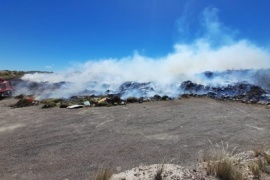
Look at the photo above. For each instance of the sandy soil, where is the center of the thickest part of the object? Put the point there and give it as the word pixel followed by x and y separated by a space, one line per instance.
pixel 73 143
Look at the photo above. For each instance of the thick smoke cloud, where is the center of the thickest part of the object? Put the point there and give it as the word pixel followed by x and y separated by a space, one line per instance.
pixel 215 50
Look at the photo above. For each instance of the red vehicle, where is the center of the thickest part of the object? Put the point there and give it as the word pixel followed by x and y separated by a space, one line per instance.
pixel 5 88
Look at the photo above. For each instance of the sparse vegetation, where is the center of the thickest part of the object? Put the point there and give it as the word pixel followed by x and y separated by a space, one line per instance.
pixel 104 174
pixel 7 74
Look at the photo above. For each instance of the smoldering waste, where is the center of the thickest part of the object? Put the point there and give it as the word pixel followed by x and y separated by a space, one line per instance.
pixel 247 86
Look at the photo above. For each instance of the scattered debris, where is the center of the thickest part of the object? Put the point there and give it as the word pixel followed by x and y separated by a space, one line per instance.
pixel 102 100
pixel 86 103
pixel 75 106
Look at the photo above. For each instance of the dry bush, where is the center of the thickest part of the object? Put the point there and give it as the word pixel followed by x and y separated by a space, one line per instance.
pixel 224 169
pixel 263 163
pixel 267 158
pixel 255 168
pixel 220 163
pixel 257 152
pixel 103 174
pixel 264 166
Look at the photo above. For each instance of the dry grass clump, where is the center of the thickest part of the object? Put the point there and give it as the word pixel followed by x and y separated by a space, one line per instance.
pixel 224 169
pixel 103 174
pixel 262 164
pixel 255 168
pixel 257 152
pixel 267 158
pixel 220 163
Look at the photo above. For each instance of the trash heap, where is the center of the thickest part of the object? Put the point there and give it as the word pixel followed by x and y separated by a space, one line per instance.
pixel 247 86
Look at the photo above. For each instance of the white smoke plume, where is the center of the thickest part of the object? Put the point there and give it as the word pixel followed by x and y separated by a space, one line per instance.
pixel 215 50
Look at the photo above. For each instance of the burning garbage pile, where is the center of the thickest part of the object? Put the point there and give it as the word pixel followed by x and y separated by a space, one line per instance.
pixel 246 93
pixel 247 86
pixel 24 101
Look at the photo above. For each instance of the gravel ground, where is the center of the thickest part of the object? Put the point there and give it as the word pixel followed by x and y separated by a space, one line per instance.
pixel 73 143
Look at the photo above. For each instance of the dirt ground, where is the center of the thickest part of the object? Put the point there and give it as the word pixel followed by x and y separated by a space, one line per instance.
pixel 73 143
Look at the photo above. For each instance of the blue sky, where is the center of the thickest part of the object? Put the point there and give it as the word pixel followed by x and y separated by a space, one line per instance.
pixel 54 34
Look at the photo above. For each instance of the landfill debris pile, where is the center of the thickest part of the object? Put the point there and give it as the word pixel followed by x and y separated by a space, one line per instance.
pixel 247 86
